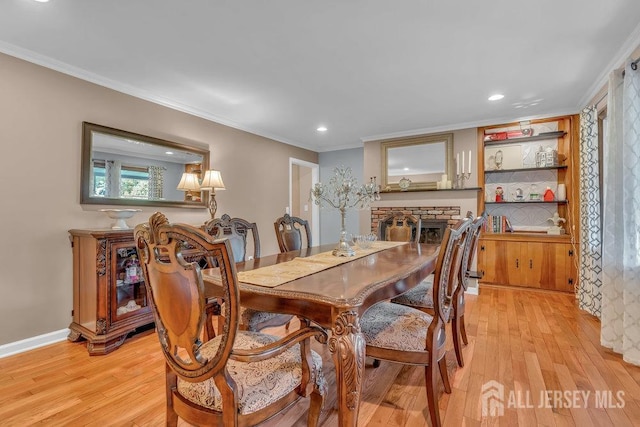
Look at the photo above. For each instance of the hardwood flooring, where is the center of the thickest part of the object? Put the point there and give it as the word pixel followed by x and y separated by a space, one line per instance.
pixel 531 342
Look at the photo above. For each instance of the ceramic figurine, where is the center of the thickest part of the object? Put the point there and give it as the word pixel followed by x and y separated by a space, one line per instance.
pixel 555 228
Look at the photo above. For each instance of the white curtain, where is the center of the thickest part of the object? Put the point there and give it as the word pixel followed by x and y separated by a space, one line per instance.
pixel 112 170
pixel 590 289
pixel 621 251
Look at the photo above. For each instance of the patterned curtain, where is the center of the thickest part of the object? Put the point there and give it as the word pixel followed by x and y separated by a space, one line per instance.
pixel 156 182
pixel 589 291
pixel 621 256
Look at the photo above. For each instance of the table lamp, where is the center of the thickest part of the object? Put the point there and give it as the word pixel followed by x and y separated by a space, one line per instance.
pixel 189 182
pixel 211 182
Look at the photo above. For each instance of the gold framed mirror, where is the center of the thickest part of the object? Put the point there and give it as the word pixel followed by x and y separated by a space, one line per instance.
pixel 126 168
pixel 417 163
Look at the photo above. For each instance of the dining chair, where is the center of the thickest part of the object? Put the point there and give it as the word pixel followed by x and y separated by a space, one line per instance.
pixel 421 296
pixel 399 227
pixel 238 378
pixel 243 234
pixel 291 237
pixel 292 232
pixel 401 334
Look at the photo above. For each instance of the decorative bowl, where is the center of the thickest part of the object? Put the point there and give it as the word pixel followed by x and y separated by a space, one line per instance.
pixel 120 215
pixel 365 241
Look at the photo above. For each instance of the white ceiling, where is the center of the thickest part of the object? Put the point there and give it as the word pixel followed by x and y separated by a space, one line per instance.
pixel 363 68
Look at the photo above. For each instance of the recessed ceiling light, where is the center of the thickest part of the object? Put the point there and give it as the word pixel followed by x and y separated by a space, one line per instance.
pixel 406 169
pixel 322 129
pixel 168 152
pixel 42 1
pixel 496 97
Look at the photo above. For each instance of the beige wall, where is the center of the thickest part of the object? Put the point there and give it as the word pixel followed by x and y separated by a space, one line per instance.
pixel 41 115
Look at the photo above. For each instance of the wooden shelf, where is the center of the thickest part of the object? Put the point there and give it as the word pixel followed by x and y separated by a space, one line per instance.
pixel 411 190
pixel 529 202
pixel 529 236
pixel 487 172
pixel 549 135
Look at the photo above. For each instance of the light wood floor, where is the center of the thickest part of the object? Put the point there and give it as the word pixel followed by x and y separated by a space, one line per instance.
pixel 529 341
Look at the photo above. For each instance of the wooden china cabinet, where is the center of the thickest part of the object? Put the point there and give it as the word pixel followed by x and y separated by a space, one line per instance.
pixel 109 295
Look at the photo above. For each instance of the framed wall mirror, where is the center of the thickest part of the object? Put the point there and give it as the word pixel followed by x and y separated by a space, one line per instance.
pixel 125 168
pixel 416 163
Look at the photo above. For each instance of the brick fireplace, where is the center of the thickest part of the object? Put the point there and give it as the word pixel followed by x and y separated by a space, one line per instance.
pixel 434 219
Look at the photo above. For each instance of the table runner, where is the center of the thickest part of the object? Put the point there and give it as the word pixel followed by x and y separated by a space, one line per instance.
pixel 278 274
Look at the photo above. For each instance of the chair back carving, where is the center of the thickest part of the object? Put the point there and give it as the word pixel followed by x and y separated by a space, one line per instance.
pixel 176 293
pixel 445 280
pixel 236 230
pixel 289 232
pixel 399 227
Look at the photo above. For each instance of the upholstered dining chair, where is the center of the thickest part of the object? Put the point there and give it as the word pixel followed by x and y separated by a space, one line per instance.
pixel 399 227
pixel 421 296
pixel 243 234
pixel 238 377
pixel 292 233
pixel 401 334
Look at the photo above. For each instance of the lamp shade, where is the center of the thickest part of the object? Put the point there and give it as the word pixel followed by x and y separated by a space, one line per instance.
pixel 189 182
pixel 212 180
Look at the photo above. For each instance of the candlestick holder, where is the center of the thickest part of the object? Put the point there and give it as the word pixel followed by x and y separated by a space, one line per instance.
pixel 460 178
pixel 342 193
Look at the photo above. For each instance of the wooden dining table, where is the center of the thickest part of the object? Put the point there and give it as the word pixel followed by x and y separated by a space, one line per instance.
pixel 335 298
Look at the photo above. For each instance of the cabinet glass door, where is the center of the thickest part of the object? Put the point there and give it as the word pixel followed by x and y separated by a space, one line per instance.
pixel 129 295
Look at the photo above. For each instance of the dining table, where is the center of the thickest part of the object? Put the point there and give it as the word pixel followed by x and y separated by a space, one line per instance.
pixel 333 293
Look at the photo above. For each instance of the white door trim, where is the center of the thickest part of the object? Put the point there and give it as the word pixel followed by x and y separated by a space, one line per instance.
pixel 315 210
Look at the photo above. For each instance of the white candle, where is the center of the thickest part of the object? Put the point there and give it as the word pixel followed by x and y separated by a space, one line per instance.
pixel 462 168
pixel 458 164
pixel 469 161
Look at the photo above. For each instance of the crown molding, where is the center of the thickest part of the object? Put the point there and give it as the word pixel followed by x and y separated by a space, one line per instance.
pixel 626 50
pixel 64 68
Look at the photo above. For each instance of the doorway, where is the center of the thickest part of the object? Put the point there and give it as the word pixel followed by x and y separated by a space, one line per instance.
pixel 302 176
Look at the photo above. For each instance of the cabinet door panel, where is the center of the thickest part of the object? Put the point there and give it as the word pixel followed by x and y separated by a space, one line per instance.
pixel 496 262
pixel 539 265
pixel 128 293
pixel 549 266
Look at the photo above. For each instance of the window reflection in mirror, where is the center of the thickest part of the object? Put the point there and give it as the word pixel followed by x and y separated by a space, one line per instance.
pixel 125 168
pixel 421 159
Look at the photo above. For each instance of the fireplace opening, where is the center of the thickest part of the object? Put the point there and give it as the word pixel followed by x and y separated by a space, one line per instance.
pixel 432 230
pixel 434 219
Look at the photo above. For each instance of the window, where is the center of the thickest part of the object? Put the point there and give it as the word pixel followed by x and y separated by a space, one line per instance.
pixel 134 181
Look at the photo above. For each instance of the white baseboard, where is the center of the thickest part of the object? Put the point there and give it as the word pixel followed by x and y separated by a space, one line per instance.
pixel 471 289
pixel 34 342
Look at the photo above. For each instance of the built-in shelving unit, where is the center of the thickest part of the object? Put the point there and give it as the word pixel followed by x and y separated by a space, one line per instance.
pixel 510 169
